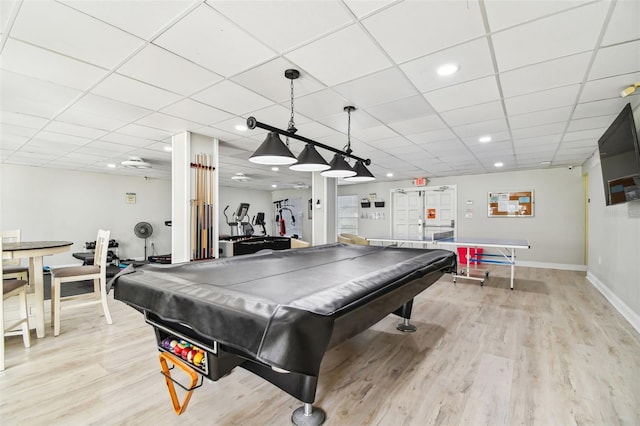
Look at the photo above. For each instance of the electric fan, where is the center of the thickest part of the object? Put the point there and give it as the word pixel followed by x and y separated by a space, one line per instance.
pixel 143 230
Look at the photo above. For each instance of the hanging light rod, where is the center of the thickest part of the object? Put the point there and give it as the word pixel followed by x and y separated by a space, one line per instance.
pixel 252 123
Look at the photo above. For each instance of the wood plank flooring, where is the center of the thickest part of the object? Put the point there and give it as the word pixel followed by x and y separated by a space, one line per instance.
pixel 551 352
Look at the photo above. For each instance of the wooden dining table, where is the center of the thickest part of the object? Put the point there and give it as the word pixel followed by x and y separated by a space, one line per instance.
pixel 35 251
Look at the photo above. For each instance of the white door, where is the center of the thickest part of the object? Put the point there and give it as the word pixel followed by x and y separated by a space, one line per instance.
pixel 407 213
pixel 439 209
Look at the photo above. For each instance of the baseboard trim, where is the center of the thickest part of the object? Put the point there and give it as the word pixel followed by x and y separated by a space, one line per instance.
pixel 545 265
pixel 619 305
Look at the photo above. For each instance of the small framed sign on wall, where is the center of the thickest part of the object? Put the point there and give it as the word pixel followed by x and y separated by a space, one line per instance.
pixel 510 204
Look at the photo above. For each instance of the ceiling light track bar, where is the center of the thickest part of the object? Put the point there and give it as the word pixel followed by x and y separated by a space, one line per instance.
pixel 252 123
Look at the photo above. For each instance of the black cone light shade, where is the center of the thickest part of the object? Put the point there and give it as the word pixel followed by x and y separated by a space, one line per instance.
pixel 310 160
pixel 273 152
pixel 362 173
pixel 339 168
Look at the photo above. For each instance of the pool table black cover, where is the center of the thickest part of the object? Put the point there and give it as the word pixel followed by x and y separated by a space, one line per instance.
pixel 278 307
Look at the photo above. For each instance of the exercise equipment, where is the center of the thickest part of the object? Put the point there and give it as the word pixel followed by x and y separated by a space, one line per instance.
pixel 238 225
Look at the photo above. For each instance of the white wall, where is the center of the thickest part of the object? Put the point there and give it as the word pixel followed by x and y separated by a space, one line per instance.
pixel 556 232
pixel 55 204
pixel 614 245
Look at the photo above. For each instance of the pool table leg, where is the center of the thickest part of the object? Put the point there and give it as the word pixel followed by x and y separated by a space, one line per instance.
pixel 404 311
pixel 308 416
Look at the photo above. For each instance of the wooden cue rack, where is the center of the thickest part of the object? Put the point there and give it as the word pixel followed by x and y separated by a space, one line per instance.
pixel 202 213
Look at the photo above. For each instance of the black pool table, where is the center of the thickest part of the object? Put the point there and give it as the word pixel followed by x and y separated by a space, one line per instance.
pixel 276 313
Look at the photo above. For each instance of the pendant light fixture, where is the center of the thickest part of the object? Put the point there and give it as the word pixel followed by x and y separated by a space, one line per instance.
pixel 339 166
pixel 275 152
pixel 309 159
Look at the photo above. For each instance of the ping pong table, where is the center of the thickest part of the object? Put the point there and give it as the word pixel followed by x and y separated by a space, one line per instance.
pixel 505 248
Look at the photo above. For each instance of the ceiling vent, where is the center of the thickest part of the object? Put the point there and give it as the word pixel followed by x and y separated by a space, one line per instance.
pixel 136 163
pixel 240 177
pixel 300 186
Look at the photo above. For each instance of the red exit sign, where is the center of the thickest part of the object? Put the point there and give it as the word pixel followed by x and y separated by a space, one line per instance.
pixel 421 181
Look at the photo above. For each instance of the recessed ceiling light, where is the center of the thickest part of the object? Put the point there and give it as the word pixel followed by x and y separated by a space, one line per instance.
pixel 275 169
pixel 274 186
pixel 241 127
pixel 498 164
pixel 545 163
pixel 448 69
pixel 168 148
pixel 389 174
pixel 111 166
pixel 484 139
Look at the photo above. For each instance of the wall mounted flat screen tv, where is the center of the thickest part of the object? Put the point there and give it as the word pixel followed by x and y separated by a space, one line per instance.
pixel 620 159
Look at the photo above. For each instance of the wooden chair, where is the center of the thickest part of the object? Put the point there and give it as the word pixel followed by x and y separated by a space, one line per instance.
pixel 14 288
pixel 352 239
pixel 12 268
pixel 96 272
pixel 295 243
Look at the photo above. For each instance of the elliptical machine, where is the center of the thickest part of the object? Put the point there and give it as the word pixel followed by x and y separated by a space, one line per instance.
pixel 239 226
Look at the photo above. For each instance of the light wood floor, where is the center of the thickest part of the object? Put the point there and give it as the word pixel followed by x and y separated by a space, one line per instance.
pixel 551 352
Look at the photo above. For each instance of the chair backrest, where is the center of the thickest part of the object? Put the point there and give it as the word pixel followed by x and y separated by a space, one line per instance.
pixel 100 253
pixel 11 236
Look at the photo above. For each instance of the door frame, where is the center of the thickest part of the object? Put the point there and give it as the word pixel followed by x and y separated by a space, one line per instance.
pixel 423 188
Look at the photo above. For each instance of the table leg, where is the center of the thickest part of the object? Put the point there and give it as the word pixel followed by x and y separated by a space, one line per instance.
pixel 513 261
pixel 38 280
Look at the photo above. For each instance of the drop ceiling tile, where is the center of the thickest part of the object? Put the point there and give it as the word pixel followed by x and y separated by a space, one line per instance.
pixel 109 108
pixel 473 58
pixel 547 99
pixel 58 137
pixel 444 146
pixel 284 25
pixel 142 18
pixel 390 144
pixel 167 123
pixel 540 130
pixel 537 141
pixel 32 61
pixel 390 84
pixel 474 113
pixel 495 138
pixel 237 128
pixel 623 25
pixel 360 121
pixel 159 67
pixel 402 109
pixel 591 134
pixel 133 92
pixel 88 119
pixel 268 79
pixel 56 27
pixel 430 24
pixel 503 14
pixel 10 129
pixel 432 136
pixel 314 130
pixel 350 47
pixel 563 34
pixel 464 94
pixel 220 134
pixel 144 132
pixel 23 120
pixel 320 104
pixel 373 133
pixel 196 112
pixel 361 8
pixel 615 60
pixel 546 75
pixel 109 147
pixel 607 88
pixel 418 125
pixel 32 96
pixel 604 107
pixel 232 98
pixel 481 128
pixel 602 122
pixel 75 130
pixel 553 115
pixel 126 140
pixel 7 8
pixel 204 37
